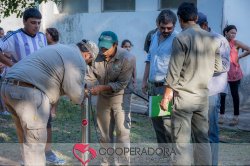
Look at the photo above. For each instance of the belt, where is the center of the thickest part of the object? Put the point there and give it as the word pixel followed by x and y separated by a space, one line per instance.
pixel 19 83
pixel 158 84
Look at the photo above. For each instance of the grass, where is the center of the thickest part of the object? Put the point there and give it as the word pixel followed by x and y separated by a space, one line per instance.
pixel 234 136
pixel 67 131
pixel 67 126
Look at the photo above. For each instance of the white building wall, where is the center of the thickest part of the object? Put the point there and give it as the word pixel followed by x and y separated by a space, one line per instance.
pixel 146 5
pixel 132 26
pixel 127 25
pixel 214 11
pixel 135 25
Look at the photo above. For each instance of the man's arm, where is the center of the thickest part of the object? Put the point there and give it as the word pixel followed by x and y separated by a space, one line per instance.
pixel 99 88
pixel 73 83
pixel 218 66
pixel 134 74
pixel 222 55
pixel 125 75
pixel 167 96
pixel 90 77
pixel 147 42
pixel 173 75
pixel 145 78
pixel 5 60
pixel 176 63
pixel 122 80
pixel 225 55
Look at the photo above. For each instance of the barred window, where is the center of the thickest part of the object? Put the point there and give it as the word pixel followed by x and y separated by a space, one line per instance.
pixel 73 6
pixel 118 5
pixel 173 3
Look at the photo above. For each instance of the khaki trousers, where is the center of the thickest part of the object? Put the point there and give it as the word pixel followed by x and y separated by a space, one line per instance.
pixel 30 109
pixel 113 121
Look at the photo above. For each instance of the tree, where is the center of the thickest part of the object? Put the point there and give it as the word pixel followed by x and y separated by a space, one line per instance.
pixel 8 7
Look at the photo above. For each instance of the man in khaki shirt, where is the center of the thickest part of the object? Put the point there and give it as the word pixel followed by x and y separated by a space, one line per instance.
pixel 32 85
pixel 113 70
pixel 194 60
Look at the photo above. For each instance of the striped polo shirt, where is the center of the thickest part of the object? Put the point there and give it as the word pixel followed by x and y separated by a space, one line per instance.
pixel 19 44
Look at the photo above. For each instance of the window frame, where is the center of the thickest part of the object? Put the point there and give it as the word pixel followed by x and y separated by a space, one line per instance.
pixel 104 11
pixel 161 8
pixel 61 7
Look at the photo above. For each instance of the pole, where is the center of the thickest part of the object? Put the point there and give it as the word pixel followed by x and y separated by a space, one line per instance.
pixel 86 125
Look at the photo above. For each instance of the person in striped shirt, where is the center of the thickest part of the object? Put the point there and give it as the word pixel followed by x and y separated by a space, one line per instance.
pixel 20 44
pixel 24 41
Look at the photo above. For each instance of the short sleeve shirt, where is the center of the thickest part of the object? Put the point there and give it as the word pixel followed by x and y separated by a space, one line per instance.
pixel 19 44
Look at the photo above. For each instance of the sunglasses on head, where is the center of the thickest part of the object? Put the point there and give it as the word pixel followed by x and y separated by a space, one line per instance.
pixel 84 41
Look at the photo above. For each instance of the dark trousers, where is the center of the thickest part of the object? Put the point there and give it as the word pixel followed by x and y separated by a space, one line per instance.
pixel 162 125
pixel 234 88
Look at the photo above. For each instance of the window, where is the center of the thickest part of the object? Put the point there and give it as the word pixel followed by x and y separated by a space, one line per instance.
pixel 173 3
pixel 118 5
pixel 73 6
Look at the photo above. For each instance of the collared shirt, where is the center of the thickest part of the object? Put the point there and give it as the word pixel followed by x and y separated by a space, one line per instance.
pixel 116 73
pixel 195 58
pixel 148 39
pixel 159 56
pixel 218 83
pixel 19 44
pixel 57 69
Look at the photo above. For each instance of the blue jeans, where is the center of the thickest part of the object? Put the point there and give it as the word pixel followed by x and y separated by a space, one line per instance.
pixel 213 133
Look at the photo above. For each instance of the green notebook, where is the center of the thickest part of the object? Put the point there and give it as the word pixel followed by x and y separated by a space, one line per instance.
pixel 155 109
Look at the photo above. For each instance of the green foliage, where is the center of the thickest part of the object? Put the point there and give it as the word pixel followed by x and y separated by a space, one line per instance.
pixel 8 7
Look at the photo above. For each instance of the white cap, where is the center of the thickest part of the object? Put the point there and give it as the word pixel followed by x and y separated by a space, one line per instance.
pixel 92 47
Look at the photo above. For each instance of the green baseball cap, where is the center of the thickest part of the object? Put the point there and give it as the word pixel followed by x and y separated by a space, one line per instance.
pixel 107 39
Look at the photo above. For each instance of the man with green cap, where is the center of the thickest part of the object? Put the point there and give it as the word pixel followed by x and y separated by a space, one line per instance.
pixel 112 69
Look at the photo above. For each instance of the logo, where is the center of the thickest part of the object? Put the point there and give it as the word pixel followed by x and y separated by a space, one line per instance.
pixel 84 149
pixel 108 38
pixel 40 43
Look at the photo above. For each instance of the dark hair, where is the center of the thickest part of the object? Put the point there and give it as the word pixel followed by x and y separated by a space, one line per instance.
pixel 126 41
pixel 81 45
pixel 187 11
pixel 1 28
pixel 53 33
pixel 166 16
pixel 31 13
pixel 228 28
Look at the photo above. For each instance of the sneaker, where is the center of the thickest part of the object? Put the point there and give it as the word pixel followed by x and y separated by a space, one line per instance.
pixel 221 119
pixel 51 158
pixel 21 162
pixel 234 121
pixel 5 113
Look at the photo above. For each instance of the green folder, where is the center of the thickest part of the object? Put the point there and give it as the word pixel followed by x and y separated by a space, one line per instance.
pixel 155 109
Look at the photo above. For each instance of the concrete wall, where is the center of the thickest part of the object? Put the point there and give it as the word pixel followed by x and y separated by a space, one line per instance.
pixel 127 25
pixel 135 25
pixel 214 11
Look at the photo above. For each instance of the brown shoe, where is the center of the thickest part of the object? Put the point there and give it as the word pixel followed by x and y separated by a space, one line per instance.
pixel 234 121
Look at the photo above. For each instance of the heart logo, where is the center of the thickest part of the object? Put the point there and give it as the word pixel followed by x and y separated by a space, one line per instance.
pixel 84 148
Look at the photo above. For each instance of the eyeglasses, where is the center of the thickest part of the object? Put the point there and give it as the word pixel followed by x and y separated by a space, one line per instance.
pixel 168 28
